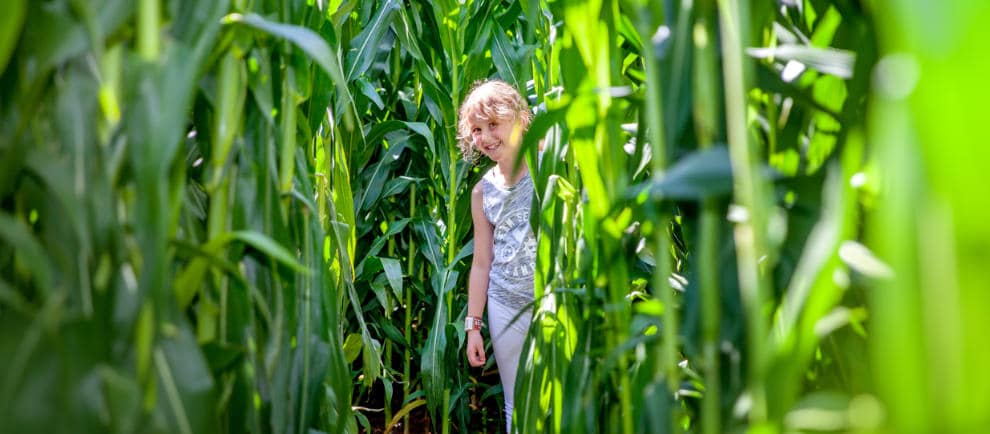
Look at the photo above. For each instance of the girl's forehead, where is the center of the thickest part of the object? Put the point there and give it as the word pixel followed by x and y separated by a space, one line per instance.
pixel 485 110
pixel 478 115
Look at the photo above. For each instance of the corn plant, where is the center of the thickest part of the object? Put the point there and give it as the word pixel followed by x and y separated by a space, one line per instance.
pixel 659 313
pixel 165 267
pixel 250 216
pixel 930 292
pixel 411 197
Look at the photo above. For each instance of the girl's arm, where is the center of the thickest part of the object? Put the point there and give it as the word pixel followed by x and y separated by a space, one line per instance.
pixel 481 265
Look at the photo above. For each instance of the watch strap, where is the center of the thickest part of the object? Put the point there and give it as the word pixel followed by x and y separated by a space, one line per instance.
pixel 472 323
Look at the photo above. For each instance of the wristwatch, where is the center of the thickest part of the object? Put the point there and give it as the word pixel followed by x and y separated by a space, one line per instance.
pixel 472 323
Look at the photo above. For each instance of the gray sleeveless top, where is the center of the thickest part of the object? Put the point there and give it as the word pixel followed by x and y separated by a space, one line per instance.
pixel 514 252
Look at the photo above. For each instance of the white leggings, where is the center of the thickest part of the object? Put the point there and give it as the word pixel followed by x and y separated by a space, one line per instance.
pixel 507 341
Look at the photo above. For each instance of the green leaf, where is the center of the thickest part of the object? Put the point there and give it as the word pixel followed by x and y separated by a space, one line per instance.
pixel 11 21
pixel 17 235
pixel 380 174
pixel 429 243
pixel 392 333
pixel 271 248
pixel 406 409
pixel 423 130
pixel 509 60
pixel 363 48
pixel 307 40
pixel 381 294
pixel 393 271
pixel 368 90
pixel 433 367
pixel 123 398
pixel 398 185
pixel 407 40
pixel 701 174
pixel 56 35
pixel 185 379
pixel 352 347
pixel 827 60
pixel 260 82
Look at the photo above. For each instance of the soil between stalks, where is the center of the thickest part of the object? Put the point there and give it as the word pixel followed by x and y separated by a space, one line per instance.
pixel 486 418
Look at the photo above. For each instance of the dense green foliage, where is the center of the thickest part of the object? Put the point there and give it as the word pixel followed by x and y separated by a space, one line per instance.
pixel 251 216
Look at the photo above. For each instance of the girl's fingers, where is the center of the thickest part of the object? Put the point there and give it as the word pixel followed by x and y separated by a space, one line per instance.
pixel 476 356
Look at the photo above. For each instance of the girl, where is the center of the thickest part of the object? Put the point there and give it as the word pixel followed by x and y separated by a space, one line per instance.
pixel 492 120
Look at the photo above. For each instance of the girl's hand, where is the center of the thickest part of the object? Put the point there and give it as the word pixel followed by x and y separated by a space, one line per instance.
pixel 475 348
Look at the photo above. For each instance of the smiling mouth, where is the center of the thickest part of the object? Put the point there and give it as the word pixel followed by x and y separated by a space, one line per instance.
pixel 492 146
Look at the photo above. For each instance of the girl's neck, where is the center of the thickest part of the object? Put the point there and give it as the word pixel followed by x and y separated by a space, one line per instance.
pixel 510 173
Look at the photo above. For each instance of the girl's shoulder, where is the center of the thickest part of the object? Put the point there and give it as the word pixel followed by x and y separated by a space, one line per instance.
pixel 487 178
pixel 486 183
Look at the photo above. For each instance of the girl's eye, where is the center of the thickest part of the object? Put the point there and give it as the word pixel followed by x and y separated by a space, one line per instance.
pixel 492 125
pixel 475 130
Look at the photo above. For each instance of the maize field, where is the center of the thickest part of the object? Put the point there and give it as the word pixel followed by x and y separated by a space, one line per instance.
pixel 251 216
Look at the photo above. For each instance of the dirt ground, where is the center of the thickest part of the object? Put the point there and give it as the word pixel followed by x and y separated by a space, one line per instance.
pixel 486 416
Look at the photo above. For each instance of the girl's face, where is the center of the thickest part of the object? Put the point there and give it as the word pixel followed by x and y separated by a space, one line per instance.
pixel 495 138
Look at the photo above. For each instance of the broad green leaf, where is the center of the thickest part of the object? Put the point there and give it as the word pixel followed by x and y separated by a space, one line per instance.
pixel 352 347
pixel 364 47
pixel 379 243
pixel 368 90
pixel 260 81
pixel 701 174
pixel 15 233
pixel 406 409
pixel 398 185
pixel 11 21
pixel 393 334
pixel 466 250
pixel 381 294
pixel 379 175
pixel 433 368
pixel 122 395
pixel 506 59
pixel 827 60
pixel 307 40
pixel 186 383
pixel 55 35
pixel 423 130
pixel 429 243
pixel 342 207
pixel 304 38
pixel 228 108
pixel 393 271
pixel 269 247
pixel 407 39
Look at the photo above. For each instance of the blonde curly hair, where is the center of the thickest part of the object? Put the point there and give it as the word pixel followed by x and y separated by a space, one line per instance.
pixel 491 99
